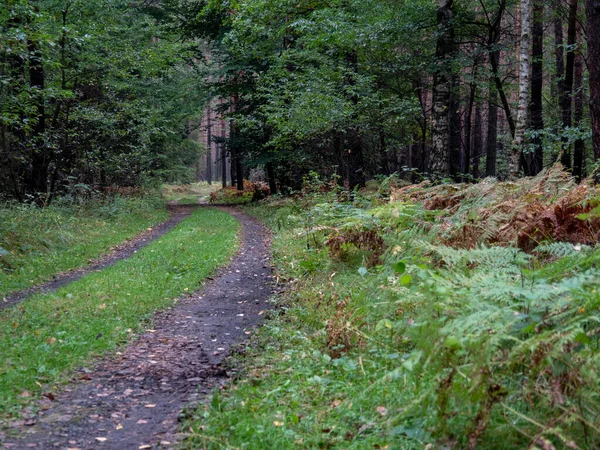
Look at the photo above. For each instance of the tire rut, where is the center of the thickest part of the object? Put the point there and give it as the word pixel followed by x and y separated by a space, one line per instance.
pixel 119 252
pixel 134 399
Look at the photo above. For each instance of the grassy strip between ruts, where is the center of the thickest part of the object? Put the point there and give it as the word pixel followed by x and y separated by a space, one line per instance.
pixel 44 337
pixel 36 244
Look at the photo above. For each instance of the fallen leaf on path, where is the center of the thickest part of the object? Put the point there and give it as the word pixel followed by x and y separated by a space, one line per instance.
pixel 141 422
pixel 150 405
pixel 119 426
pixel 101 439
pixel 25 394
pixel 145 446
pixel 127 392
pixel 151 331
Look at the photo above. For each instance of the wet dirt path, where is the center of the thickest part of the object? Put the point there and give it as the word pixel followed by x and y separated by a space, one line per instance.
pixel 132 400
pixel 119 252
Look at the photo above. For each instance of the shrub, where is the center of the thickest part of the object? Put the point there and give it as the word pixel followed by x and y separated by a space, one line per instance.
pixel 230 195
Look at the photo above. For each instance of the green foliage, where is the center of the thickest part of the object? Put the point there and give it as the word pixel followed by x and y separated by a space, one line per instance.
pixel 107 104
pixel 488 347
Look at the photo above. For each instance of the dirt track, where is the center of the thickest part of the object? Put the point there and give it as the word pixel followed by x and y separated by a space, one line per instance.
pixel 119 252
pixel 133 399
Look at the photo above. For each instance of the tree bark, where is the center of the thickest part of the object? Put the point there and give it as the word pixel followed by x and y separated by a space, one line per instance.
pixel 567 96
pixel 524 81
pixel 593 40
pixel 442 90
pixel 209 162
pixel 578 154
pixel 492 133
pixel 477 140
pixel 535 160
pixel 38 181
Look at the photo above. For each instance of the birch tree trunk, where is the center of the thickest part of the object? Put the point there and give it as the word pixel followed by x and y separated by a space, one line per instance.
pixel 524 81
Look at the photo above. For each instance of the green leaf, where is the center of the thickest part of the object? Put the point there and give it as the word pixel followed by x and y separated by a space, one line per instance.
pixel 399 267
pixel 405 279
pixel 363 271
pixel 384 323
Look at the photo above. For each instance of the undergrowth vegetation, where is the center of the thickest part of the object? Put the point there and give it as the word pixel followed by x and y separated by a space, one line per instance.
pixel 450 316
pixel 230 195
pixel 38 243
pixel 49 334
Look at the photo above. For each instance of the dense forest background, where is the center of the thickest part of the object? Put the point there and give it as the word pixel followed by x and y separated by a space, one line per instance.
pixel 109 93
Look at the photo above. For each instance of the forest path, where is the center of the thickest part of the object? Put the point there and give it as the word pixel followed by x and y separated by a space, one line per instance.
pixel 119 252
pixel 133 400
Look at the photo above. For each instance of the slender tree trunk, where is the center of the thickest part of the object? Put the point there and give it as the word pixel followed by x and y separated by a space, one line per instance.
pixel 566 100
pixel 524 81
pixel 535 160
pixel 469 120
pixel 455 129
pixel 38 181
pixel 271 177
pixel 223 166
pixel 442 90
pixel 354 155
pixel 492 133
pixel 477 139
pixel 593 40
pixel 209 162
pixel 578 155
pixel 239 169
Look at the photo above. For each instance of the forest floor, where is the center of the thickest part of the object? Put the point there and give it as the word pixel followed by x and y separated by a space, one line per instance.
pixel 134 398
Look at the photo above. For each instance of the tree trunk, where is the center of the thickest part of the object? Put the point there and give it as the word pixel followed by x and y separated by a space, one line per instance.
pixel 209 162
pixel 524 81
pixel 559 54
pixel 223 166
pixel 492 133
pixel 578 154
pixel 593 38
pixel 38 181
pixel 535 159
pixel 442 90
pixel 567 98
pixel 477 140
pixel 354 159
pixel 271 177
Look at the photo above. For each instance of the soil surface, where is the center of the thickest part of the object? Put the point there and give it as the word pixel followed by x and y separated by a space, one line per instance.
pixel 119 252
pixel 133 400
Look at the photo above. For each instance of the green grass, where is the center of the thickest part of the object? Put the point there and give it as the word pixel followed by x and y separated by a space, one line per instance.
pixel 37 244
pixel 290 392
pixel 47 335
